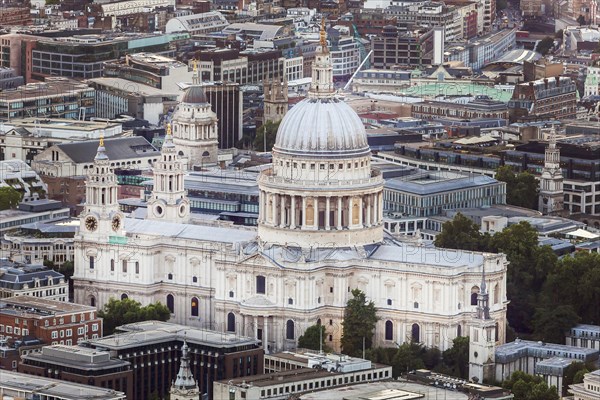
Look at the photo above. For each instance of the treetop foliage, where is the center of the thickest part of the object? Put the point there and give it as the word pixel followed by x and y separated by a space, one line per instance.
pixel 120 312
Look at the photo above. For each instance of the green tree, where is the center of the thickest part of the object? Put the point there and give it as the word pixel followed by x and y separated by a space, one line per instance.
pixel 575 281
pixel 120 312
pixel 270 130
pixel 574 374
pixel 551 323
pixel 521 189
pixel 528 387
pixel 310 339
pixel 581 20
pixel 462 233
pixel 545 45
pixel 360 317
pixel 456 358
pixel 528 267
pixel 9 197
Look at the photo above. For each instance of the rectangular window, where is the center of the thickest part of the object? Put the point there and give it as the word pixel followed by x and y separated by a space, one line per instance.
pixel 137 267
pixel 94 327
pixel 91 262
pixel 69 332
pixel 124 266
pixel 54 334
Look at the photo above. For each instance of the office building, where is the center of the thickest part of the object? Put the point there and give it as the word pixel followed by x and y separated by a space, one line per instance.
pixel 226 100
pixel 11 15
pixel 544 99
pixel 133 6
pixel 428 193
pixel 321 372
pixel 581 335
pixel 80 365
pixel 18 385
pixel 54 98
pixel 30 212
pixel 482 111
pixel 548 360
pixel 153 348
pixel 245 67
pixel 18 279
pixel 197 24
pixel 381 81
pixel 117 96
pixel 150 69
pixel 407 49
pixel 51 321
pixel 83 56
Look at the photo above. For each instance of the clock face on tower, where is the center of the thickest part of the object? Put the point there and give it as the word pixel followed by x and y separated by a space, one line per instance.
pixel 91 224
pixel 116 223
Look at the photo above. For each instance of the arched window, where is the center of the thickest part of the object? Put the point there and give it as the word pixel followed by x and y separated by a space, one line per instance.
pixel 171 303
pixel 496 294
pixel 260 284
pixel 231 322
pixel 459 330
pixel 170 277
pixel 194 306
pixel 319 321
pixel 389 330
pixel 416 333
pixel 474 293
pixel 497 332
pixel 92 301
pixel 290 301
pixel 195 279
pixel 289 329
pixel 124 296
pixel 112 265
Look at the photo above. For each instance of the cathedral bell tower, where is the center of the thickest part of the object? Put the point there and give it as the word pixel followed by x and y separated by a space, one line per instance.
pixel 168 201
pixel 482 338
pixel 184 387
pixel 276 100
pixel 101 216
pixel 551 181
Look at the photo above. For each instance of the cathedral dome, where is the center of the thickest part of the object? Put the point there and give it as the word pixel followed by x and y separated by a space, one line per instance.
pixel 322 127
pixel 194 95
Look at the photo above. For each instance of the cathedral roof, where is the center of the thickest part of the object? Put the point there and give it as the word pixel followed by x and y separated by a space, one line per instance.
pixel 194 95
pixel 323 128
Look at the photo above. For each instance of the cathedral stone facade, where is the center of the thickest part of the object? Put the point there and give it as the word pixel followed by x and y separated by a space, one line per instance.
pixel 320 235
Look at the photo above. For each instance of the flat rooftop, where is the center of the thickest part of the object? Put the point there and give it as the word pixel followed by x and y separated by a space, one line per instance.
pixel 29 306
pixel 152 332
pixel 53 388
pixel 50 88
pixel 77 357
pixel 365 392
pixel 61 123
pixel 134 87
pixel 431 182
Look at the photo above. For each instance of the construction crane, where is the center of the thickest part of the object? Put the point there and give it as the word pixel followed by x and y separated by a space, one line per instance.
pixel 365 59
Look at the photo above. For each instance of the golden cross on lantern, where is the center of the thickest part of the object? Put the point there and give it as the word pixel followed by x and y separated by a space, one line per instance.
pixel 323 33
pixel 102 140
pixel 168 129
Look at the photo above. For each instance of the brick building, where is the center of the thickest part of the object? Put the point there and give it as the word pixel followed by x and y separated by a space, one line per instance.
pixel 11 16
pixel 153 348
pixel 80 365
pixel 544 99
pixel 50 321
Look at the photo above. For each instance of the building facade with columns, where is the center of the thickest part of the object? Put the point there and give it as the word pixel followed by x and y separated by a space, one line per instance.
pixel 320 235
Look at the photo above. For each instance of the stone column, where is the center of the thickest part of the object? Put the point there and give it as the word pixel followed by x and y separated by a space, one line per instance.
pixel 360 211
pixel 255 327
pixel 303 213
pixel 282 201
pixel 327 211
pixel 265 334
pixel 261 206
pixel 375 209
pixel 369 202
pixel 339 213
pixel 274 211
pixel 293 213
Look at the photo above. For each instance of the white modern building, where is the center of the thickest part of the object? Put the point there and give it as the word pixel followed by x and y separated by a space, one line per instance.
pixel 133 7
pixel 320 235
pixel 197 24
